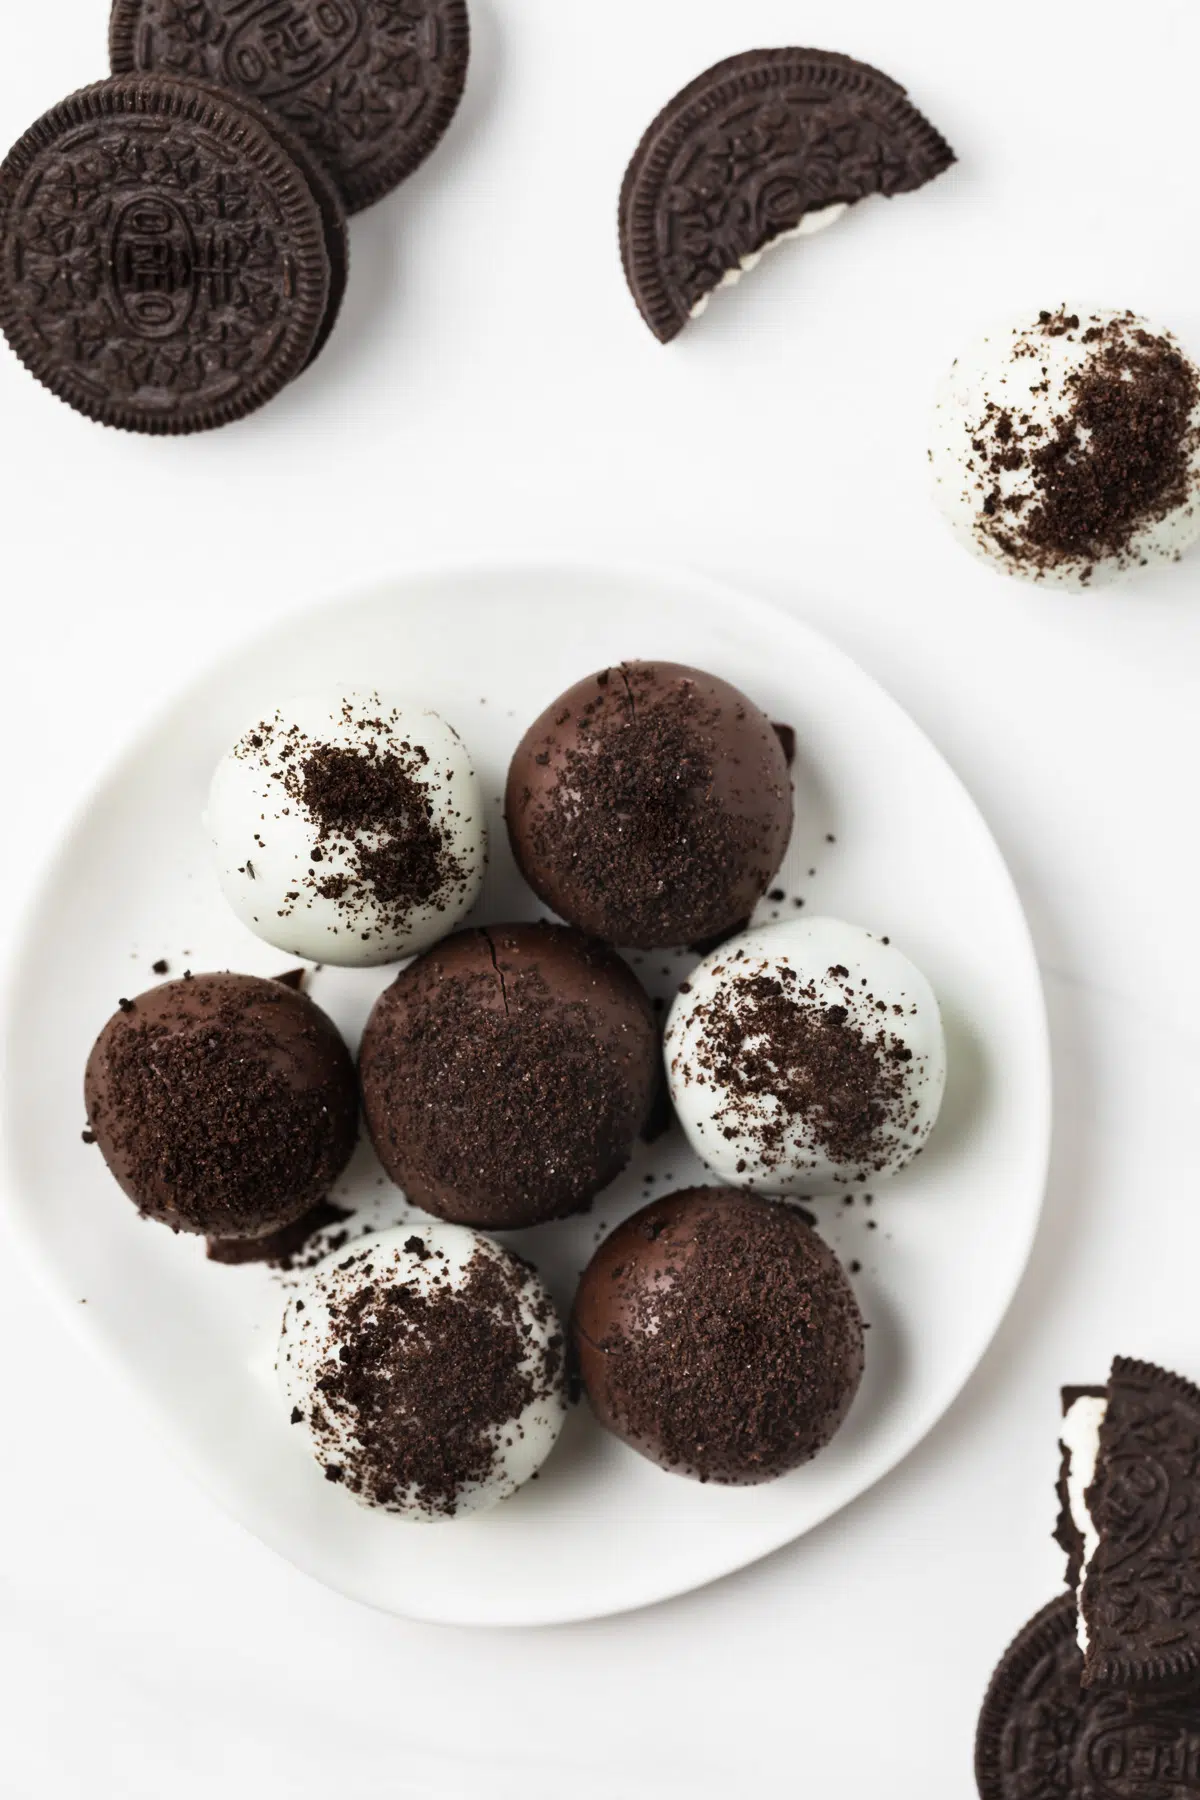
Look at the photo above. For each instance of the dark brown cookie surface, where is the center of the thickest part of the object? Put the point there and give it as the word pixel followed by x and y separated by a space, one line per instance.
pixel 1141 1594
pixel 744 153
pixel 370 85
pixel 333 214
pixel 1043 1736
pixel 166 265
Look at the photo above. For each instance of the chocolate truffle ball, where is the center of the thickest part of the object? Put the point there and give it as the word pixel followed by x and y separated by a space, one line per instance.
pixel 804 1056
pixel 347 828
pixel 716 1333
pixel 651 805
pixel 223 1104
pixel 1066 447
pixel 427 1368
pixel 507 1073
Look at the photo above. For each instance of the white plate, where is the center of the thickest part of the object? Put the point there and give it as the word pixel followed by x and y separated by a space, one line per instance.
pixel 896 844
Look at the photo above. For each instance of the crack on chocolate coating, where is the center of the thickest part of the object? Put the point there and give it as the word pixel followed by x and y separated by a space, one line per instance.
pixel 506 1116
pixel 490 942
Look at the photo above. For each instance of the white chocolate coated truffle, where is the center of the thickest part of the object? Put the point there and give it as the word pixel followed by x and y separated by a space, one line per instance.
pixel 806 1055
pixel 348 829
pixel 426 1367
pixel 1066 447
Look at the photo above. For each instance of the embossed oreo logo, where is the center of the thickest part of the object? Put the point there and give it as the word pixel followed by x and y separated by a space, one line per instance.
pixel 1152 1759
pixel 152 256
pixel 283 45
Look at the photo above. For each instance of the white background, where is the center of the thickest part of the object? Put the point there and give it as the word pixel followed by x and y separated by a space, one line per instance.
pixel 491 393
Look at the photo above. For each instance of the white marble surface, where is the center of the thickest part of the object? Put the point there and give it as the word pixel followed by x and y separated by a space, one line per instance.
pixel 491 393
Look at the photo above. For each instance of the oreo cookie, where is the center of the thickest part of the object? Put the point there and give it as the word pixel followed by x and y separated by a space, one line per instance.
pixel 1043 1736
pixel 169 257
pixel 1131 1529
pixel 369 85
pixel 333 215
pixel 752 151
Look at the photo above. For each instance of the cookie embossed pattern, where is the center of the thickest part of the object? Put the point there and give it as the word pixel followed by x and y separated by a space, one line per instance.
pixel 1043 1736
pixel 168 263
pixel 1139 1594
pixel 369 85
pixel 766 145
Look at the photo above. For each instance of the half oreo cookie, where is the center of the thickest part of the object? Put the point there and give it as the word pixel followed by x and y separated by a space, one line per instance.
pixel 369 85
pixel 1043 1736
pixel 763 146
pixel 1130 1524
pixel 170 257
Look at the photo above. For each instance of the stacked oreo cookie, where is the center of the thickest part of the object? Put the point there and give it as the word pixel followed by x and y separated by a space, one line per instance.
pixel 173 243
pixel 1099 1695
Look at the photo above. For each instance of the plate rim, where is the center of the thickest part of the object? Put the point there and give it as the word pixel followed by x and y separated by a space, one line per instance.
pixel 681 579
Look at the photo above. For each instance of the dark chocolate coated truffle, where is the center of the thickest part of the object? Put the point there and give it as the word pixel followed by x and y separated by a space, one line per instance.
pixel 507 1073
pixel 223 1104
pixel 717 1333
pixel 650 805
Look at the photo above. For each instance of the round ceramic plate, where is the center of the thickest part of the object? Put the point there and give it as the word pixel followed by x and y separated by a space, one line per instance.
pixel 885 835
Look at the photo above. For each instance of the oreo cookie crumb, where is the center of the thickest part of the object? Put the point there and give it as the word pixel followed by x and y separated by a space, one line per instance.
pixel 380 848
pixel 718 1334
pixel 764 1038
pixel 423 1381
pixel 1116 459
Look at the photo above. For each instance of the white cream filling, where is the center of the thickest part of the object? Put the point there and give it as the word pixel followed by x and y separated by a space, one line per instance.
pixel 809 225
pixel 1081 1439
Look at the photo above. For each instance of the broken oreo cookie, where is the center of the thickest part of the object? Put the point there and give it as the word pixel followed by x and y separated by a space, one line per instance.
pixel 1043 1736
pixel 1130 1525
pixel 765 145
pixel 369 85
pixel 170 257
